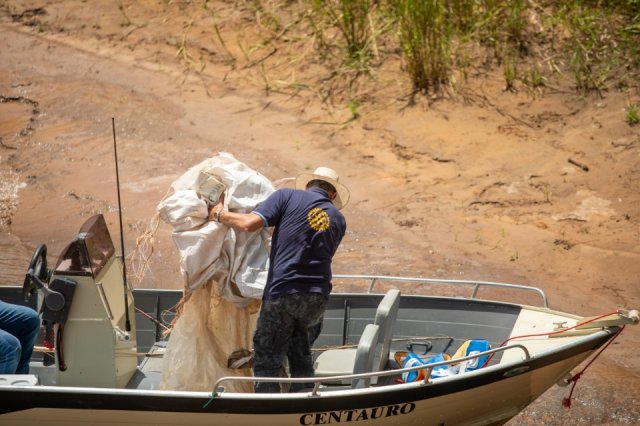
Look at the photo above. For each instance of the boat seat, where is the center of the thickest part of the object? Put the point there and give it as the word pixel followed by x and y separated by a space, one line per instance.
pixel 366 354
pixel 337 362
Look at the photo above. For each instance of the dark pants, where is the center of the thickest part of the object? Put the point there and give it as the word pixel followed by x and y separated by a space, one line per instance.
pixel 287 326
pixel 19 326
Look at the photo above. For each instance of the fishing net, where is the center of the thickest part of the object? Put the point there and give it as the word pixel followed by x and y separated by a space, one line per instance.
pixel 209 329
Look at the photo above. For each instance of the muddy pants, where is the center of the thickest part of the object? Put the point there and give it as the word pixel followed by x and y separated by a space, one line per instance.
pixel 287 326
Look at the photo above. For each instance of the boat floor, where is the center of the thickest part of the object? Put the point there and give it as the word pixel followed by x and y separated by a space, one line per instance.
pixel 147 376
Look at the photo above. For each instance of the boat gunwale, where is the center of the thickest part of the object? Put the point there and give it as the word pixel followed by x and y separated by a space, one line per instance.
pixel 576 342
pixel 382 373
pixel 438 281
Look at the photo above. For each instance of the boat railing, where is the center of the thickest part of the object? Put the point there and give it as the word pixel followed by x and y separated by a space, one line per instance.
pixel 475 284
pixel 317 381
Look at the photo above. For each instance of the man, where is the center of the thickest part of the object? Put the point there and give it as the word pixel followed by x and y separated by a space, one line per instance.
pixel 19 326
pixel 308 229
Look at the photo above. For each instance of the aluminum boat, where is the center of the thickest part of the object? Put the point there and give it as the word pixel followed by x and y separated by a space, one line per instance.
pixel 107 345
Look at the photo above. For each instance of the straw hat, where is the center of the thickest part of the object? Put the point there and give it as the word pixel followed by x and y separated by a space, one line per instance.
pixel 328 175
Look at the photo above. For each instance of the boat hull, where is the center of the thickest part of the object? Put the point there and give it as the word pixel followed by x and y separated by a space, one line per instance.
pixel 492 396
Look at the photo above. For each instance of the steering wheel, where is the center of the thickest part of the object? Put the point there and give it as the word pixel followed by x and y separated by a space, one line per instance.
pixel 37 273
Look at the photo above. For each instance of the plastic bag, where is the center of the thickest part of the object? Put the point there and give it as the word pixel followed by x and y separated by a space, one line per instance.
pixel 469 348
pixel 413 360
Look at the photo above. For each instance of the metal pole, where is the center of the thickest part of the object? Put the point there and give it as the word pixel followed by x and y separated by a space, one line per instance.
pixel 127 323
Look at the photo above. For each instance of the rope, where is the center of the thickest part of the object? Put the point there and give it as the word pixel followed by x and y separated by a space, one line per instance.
pixel 214 395
pixel 141 255
pixel 166 329
pixel 566 402
pixel 564 330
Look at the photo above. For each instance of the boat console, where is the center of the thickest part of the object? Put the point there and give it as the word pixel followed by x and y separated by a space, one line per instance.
pixel 85 310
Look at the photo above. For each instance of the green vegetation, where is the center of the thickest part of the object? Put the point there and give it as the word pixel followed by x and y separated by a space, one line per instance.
pixel 534 79
pixel 632 117
pixel 339 49
pixel 354 108
pixel 352 19
pixel 425 36
pixel 510 75
pixel 594 41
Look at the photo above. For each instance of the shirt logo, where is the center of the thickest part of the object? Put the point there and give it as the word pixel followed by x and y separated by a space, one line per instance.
pixel 318 220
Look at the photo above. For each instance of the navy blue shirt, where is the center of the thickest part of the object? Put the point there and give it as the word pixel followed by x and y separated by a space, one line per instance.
pixel 308 230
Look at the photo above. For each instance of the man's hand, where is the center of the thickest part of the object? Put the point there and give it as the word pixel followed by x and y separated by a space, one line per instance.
pixel 216 207
pixel 246 222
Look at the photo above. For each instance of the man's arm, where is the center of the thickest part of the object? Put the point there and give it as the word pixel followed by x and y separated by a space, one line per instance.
pixel 247 222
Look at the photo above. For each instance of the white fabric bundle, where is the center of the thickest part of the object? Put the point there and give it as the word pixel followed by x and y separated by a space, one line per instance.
pixel 237 261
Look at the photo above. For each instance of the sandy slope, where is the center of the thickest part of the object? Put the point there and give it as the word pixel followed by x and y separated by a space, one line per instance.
pixel 531 188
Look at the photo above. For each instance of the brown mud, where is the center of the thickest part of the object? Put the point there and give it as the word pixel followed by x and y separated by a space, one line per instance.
pixel 516 187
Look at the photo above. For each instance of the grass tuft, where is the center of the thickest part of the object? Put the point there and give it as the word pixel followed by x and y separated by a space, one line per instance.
pixel 425 34
pixel 632 117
